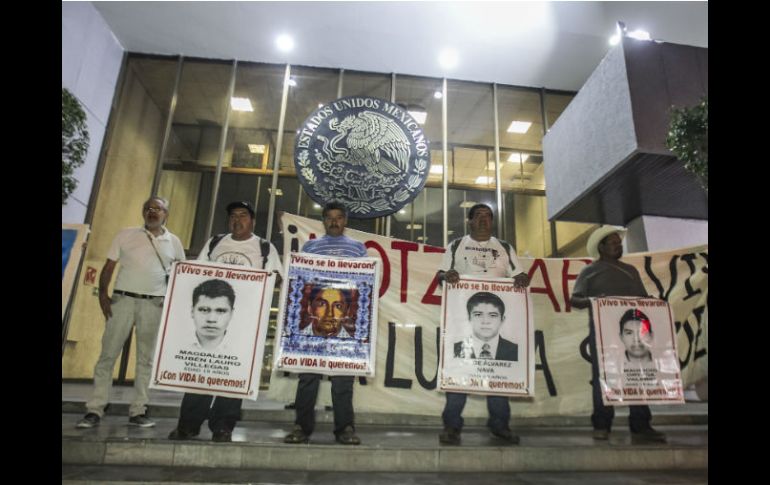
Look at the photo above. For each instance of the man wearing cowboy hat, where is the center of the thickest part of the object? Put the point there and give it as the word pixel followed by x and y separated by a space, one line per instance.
pixel 608 276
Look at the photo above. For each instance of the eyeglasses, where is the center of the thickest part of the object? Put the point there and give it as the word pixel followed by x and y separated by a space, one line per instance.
pixel 154 209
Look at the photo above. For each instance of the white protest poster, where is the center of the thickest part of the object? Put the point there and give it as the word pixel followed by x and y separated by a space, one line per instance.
pixel 327 321
pixel 212 333
pixel 636 346
pixel 487 344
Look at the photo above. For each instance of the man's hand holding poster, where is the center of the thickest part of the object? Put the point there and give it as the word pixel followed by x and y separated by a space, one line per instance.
pixel 487 344
pixel 638 363
pixel 328 317
pixel 212 334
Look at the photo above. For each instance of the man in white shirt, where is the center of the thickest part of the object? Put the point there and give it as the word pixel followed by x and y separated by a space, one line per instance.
pixel 479 254
pixel 145 255
pixel 240 246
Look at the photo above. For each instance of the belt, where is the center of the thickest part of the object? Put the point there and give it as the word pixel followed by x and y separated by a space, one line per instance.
pixel 134 295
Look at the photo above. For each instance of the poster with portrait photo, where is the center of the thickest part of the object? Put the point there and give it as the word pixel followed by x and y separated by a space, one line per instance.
pixel 636 346
pixel 487 338
pixel 328 315
pixel 212 334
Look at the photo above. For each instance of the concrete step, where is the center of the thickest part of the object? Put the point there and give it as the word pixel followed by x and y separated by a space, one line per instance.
pixel 662 415
pixel 152 475
pixel 259 445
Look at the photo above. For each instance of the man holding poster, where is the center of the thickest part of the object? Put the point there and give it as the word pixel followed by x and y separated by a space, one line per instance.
pixel 480 254
pixel 608 276
pixel 240 247
pixel 327 311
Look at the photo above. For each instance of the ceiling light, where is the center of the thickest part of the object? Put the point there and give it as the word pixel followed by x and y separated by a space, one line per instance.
pixel 519 126
pixel 420 238
pixel 484 180
pixel 278 192
pixel 241 104
pixel 292 82
pixel 256 148
pixel 467 204
pixel 414 226
pixel 316 206
pixel 320 105
pixel 639 35
pixel 438 94
pixel 448 58
pixel 419 116
pixel 518 157
pixel 615 39
pixel 402 211
pixel 437 169
pixel 284 43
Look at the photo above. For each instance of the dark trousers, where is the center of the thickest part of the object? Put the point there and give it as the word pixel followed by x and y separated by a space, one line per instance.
pixel 639 416
pixel 196 408
pixel 342 401
pixel 498 407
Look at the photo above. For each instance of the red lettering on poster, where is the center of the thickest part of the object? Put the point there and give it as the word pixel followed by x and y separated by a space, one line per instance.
pixel 547 289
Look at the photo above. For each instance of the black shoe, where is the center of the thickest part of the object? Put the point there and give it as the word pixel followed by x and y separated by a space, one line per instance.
pixel 646 436
pixel 450 436
pixel 348 437
pixel 141 420
pixel 222 436
pixel 506 435
pixel 90 420
pixel 296 436
pixel 180 434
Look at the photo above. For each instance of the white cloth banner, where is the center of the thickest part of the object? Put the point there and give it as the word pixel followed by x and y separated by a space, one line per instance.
pixel 487 338
pixel 635 339
pixel 409 323
pixel 328 315
pixel 212 334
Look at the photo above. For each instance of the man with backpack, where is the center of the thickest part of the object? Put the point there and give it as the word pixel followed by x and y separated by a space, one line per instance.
pixel 479 254
pixel 242 247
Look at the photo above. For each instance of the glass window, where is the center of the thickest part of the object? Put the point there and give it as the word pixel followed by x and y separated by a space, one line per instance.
pixel 520 127
pixel 356 83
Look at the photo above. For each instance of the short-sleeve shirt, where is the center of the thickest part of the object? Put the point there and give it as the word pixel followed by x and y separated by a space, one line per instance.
pixel 482 258
pixel 608 279
pixel 140 269
pixel 242 253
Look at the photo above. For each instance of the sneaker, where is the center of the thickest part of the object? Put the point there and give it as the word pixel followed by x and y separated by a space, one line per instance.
pixel 506 435
pixel 450 436
pixel 90 420
pixel 601 434
pixel 296 436
pixel 180 434
pixel 222 436
pixel 348 437
pixel 648 435
pixel 141 420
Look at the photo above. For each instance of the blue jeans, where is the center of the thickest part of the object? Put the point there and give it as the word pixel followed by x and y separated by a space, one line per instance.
pixel 498 407
pixel 342 401
pixel 602 417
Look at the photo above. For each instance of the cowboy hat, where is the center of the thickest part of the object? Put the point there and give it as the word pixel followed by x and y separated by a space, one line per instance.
pixel 596 237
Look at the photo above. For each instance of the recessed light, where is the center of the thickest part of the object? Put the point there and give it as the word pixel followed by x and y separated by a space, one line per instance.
pixel 241 104
pixel 448 58
pixel 278 192
pixel 316 206
pixel 437 169
pixel 467 204
pixel 414 226
pixel 484 180
pixel 419 116
pixel 402 211
pixel 284 43
pixel 519 126
pixel 639 34
pixel 292 82
pixel 256 148
pixel 615 39
pixel 518 157
pixel 438 94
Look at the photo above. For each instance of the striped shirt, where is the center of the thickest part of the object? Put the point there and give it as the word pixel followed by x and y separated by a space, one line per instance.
pixel 335 246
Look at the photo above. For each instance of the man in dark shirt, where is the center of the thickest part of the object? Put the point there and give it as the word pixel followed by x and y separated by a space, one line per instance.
pixel 607 276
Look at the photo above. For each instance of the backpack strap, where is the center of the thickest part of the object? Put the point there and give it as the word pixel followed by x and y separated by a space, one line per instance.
pixel 264 248
pixel 453 248
pixel 507 253
pixel 214 241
